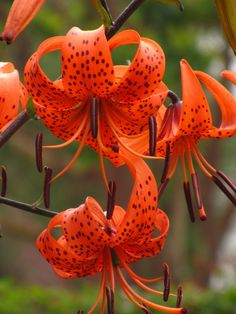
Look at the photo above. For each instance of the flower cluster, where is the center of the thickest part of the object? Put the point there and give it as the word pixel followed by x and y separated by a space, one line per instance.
pixel 119 111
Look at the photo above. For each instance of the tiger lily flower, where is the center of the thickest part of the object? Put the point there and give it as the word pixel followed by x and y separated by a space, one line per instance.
pixel 185 123
pixel 13 94
pixel 20 15
pixel 94 242
pixel 96 102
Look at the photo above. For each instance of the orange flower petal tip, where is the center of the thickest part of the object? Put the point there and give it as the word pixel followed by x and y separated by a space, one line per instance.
pixel 229 75
pixel 20 15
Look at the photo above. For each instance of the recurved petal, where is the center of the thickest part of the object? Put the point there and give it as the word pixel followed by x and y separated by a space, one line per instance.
pixel 144 74
pixel 229 75
pixel 21 13
pixel 195 114
pixel 87 63
pixel 226 102
pixel 83 231
pixel 138 222
pixel 9 93
pixel 42 90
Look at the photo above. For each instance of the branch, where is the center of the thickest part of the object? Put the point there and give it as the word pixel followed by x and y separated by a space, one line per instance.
pixel 20 120
pixel 121 19
pixel 27 207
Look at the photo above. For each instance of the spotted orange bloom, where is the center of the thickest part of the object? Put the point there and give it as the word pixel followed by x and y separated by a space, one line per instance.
pixel 185 123
pixel 21 13
pixel 95 101
pixel 91 242
pixel 12 93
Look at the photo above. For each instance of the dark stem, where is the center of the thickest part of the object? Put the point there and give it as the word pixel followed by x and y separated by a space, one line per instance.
pixel 20 120
pixel 121 19
pixel 105 5
pixel 27 207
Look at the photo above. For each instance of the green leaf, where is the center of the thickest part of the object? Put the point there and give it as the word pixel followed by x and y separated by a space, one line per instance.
pixel 177 2
pixel 106 19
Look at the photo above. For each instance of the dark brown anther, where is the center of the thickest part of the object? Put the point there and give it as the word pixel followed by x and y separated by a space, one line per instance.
pixel 9 38
pixel 166 273
pixel 224 189
pixel 111 199
pixel 167 163
pixel 38 151
pixel 179 297
pixel 173 97
pixel 188 198
pixel 227 180
pixel 110 301
pixel 162 188
pixel 94 116
pixel 196 190
pixel 116 148
pixel 46 190
pixel 4 181
pixel 152 135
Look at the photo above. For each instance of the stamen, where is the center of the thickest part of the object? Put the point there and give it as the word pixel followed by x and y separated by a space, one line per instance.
pixel 167 163
pixel 38 151
pixel 227 180
pixel 94 116
pixel 198 197
pixel 152 135
pixel 224 189
pixel 174 98
pixel 110 300
pixel 162 187
pixel 135 276
pixel 111 199
pixel 166 291
pixel 46 189
pixel 4 181
pixel 103 282
pixel 188 198
pixel 179 297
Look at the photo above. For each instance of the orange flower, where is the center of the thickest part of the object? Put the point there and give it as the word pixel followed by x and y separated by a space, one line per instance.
pixel 21 13
pixel 185 123
pixel 93 243
pixel 12 92
pixel 96 102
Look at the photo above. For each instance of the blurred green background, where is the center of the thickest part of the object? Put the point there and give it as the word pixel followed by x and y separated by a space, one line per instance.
pixel 202 255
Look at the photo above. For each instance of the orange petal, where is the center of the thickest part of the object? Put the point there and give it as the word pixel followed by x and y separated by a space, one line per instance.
pixel 229 75
pixel 86 62
pixel 144 74
pixel 195 114
pixel 139 218
pixel 20 15
pixel 10 93
pixel 224 99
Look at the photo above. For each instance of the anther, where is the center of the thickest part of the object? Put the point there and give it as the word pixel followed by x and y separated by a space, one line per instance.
pixel 162 187
pixel 4 181
pixel 173 97
pixel 188 198
pixel 111 199
pixel 38 151
pixel 227 180
pixel 94 116
pixel 179 296
pixel 224 189
pixel 46 189
pixel 110 300
pixel 166 273
pixel 198 197
pixel 167 163
pixel 116 148
pixel 152 135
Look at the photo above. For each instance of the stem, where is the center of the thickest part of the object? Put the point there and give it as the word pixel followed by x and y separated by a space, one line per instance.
pixel 27 207
pixel 105 5
pixel 120 20
pixel 20 120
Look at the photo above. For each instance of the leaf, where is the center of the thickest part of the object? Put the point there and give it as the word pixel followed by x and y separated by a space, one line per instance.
pixel 106 19
pixel 177 2
pixel 227 13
